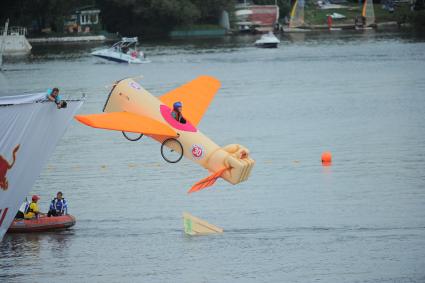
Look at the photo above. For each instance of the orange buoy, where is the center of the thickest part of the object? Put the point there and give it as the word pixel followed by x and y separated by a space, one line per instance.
pixel 326 158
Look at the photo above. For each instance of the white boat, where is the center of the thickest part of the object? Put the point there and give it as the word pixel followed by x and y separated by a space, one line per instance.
pixel 124 51
pixel 268 40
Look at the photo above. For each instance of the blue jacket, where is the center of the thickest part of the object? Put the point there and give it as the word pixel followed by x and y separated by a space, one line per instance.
pixel 60 206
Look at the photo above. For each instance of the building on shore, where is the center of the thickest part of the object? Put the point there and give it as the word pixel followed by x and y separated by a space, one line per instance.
pixel 83 20
pixel 256 18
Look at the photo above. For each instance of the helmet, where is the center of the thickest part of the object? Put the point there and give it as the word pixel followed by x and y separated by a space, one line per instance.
pixel 177 105
pixel 35 197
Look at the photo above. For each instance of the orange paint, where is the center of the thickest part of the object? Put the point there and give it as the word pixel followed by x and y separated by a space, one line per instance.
pixel 127 122
pixel 207 182
pixel 195 96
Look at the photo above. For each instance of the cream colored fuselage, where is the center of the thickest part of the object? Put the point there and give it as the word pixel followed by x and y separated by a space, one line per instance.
pixel 129 96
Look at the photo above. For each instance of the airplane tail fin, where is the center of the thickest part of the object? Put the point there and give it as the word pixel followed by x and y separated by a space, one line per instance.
pixel 207 182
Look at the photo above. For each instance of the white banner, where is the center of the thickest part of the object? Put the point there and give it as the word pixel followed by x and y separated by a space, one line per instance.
pixel 29 132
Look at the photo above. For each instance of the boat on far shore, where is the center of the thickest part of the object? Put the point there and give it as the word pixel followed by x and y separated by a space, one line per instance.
pixel 268 40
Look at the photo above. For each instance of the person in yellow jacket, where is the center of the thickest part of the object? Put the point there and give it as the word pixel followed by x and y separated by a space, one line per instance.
pixel 33 210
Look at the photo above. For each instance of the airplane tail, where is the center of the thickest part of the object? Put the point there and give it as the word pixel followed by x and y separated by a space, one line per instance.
pixel 207 182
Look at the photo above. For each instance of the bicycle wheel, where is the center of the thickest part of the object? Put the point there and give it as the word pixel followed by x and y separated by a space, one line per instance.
pixel 132 136
pixel 172 150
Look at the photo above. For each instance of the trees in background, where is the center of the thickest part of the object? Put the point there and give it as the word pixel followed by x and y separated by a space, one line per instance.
pixel 130 17
pixel 159 16
pixel 39 14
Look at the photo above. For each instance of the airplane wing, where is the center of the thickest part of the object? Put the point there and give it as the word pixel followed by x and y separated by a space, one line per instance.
pixel 195 95
pixel 126 122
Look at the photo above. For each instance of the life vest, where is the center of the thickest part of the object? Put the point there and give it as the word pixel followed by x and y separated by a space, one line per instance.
pixel 31 213
pixel 29 209
pixel 58 206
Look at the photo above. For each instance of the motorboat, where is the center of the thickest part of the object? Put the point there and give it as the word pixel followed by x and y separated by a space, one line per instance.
pixel 268 40
pixel 42 224
pixel 124 51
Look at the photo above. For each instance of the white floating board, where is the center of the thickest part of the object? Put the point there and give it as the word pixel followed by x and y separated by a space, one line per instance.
pixel 196 226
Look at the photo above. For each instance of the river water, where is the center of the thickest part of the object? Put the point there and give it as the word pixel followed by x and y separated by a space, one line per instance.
pixel 359 95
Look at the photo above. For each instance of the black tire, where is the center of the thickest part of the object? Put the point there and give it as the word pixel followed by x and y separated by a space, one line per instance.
pixel 131 138
pixel 169 145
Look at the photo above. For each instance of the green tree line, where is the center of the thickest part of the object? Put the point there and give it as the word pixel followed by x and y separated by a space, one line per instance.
pixel 159 16
pixel 136 17
pixel 38 14
pixel 129 17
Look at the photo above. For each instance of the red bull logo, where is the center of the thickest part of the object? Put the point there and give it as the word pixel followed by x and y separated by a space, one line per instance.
pixel 3 213
pixel 5 166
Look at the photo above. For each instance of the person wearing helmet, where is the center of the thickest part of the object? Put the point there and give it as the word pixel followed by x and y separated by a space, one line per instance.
pixel 177 112
pixel 33 210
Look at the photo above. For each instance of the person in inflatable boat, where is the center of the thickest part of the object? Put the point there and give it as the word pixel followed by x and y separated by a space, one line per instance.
pixel 58 206
pixel 177 112
pixel 33 210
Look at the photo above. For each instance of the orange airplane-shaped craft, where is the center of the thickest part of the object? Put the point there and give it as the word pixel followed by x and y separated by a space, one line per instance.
pixel 133 110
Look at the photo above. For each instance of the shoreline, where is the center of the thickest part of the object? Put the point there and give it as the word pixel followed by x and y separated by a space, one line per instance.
pixel 56 39
pixel 185 34
pixel 346 26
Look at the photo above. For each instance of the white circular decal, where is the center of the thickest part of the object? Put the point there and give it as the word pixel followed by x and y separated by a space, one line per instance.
pixel 198 151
